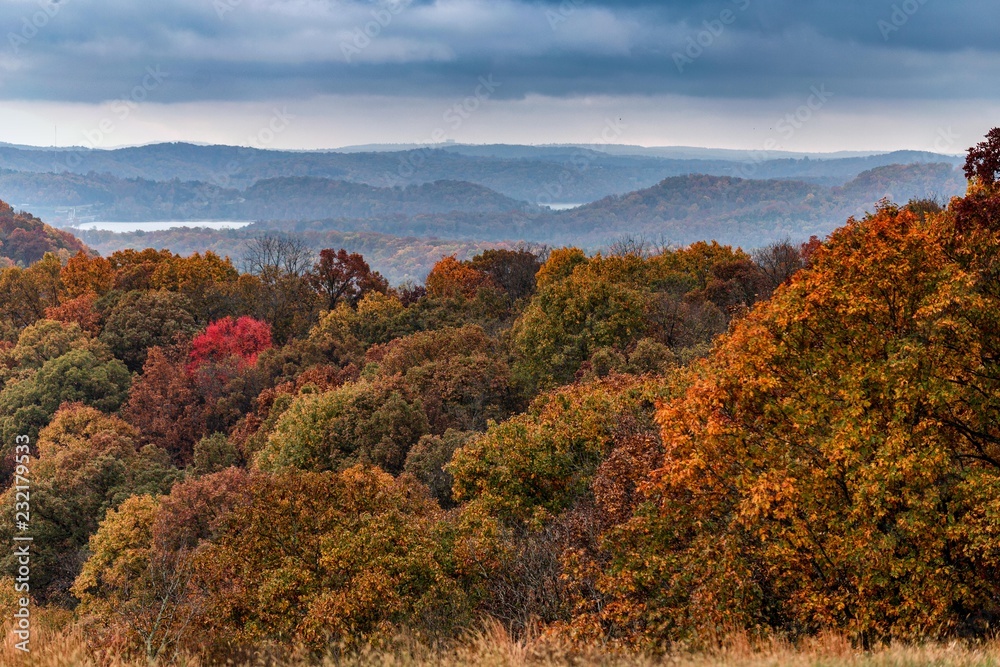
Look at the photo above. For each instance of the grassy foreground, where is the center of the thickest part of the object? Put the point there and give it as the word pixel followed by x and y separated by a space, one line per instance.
pixel 493 647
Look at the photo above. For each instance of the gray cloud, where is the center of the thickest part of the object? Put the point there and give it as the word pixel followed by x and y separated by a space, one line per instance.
pixel 216 50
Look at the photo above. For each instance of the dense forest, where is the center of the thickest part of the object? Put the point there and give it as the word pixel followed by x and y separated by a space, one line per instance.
pixel 399 258
pixel 640 449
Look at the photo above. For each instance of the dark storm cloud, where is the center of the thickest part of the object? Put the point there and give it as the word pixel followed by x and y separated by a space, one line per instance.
pixel 95 50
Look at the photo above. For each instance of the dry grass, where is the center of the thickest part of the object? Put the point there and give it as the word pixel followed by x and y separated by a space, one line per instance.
pixel 493 647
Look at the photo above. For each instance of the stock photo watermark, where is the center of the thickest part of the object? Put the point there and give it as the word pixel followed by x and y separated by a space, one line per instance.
pixel 787 127
pixel 455 116
pixel 223 7
pixel 566 9
pixel 713 29
pixel 34 23
pixel 279 121
pixel 552 191
pixel 124 106
pixel 900 16
pixel 121 109
pixel 22 544
pixel 945 140
pixel 362 35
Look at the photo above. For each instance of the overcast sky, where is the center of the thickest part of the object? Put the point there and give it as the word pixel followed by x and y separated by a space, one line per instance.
pixel 793 74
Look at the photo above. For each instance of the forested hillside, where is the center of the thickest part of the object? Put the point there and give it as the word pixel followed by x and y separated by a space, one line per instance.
pixel 282 198
pixel 680 210
pixel 25 239
pixel 636 450
pixel 399 258
pixel 582 173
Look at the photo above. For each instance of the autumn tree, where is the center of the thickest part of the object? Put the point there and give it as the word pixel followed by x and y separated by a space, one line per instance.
pixel 88 374
pixel 367 422
pixel 144 319
pixel 344 334
pixel 460 375
pixel 581 305
pixel 833 465
pixel 342 276
pixel 982 165
pixel 134 269
pixel 84 274
pixel 513 271
pixel 276 289
pixel 21 302
pixel 777 262
pixel 177 401
pixel 137 589
pixel 428 461
pixel 39 343
pixel 275 256
pixel 348 557
pixel 81 311
pixel 165 407
pixel 239 340
pixel 450 278
pixel 88 463
pixel 535 465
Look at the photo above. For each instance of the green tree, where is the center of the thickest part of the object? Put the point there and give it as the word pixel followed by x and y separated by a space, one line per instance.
pixel 368 422
pixel 89 374
pixel 144 319
pixel 88 463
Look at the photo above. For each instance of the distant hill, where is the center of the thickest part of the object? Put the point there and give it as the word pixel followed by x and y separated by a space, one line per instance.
pixel 682 209
pixel 535 174
pixel 753 212
pixel 25 239
pixel 109 197
pixel 404 243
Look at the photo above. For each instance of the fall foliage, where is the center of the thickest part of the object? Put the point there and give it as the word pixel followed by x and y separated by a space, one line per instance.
pixel 642 448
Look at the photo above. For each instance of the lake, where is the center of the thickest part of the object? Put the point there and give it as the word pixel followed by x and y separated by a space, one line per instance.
pixel 122 227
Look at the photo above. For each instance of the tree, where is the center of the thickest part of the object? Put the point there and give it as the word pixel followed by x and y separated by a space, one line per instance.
pixel 451 278
pixel 238 340
pixel 833 465
pixel 339 276
pixel 535 465
pixel 88 463
pixel 39 343
pixel 600 302
pixel 84 274
pixel 348 557
pixel 513 271
pixel 81 311
pixel 88 374
pixel 778 262
pixel 137 591
pixel 344 334
pixel 274 256
pixel 982 164
pixel 21 302
pixel 174 407
pixel 134 269
pixel 428 461
pixel 141 320
pixel 372 423
pixel 459 374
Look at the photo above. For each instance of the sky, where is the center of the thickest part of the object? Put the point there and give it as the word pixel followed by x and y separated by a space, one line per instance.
pixel 802 75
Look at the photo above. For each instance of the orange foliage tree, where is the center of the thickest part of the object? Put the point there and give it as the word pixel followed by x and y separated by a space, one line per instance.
pixel 834 464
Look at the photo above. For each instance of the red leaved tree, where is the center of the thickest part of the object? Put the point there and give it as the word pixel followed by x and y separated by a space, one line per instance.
pixel 228 339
